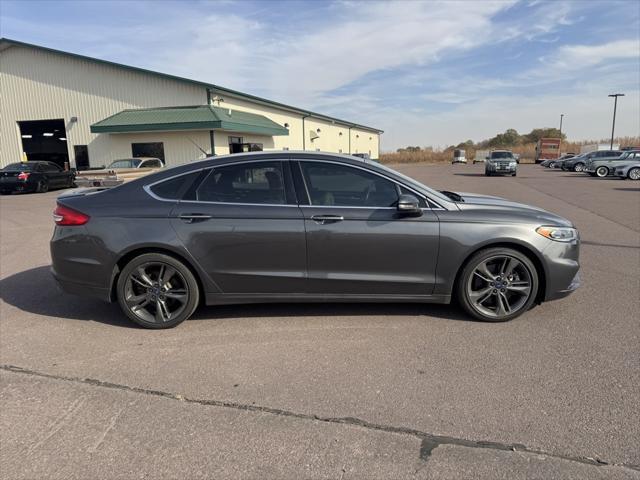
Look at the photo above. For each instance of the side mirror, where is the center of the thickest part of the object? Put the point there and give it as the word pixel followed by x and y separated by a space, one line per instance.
pixel 409 204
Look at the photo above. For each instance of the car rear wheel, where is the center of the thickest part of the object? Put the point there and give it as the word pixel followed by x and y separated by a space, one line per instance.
pixel 157 291
pixel 497 285
pixel 578 167
pixel 602 172
pixel 42 186
pixel 634 173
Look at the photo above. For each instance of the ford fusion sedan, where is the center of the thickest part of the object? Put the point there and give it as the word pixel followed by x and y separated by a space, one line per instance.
pixel 305 227
pixel 34 176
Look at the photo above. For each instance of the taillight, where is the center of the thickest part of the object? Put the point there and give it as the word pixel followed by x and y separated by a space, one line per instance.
pixel 23 176
pixel 66 216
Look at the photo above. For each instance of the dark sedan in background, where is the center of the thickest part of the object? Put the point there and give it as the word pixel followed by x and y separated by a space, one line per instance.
pixel 34 176
pixel 305 227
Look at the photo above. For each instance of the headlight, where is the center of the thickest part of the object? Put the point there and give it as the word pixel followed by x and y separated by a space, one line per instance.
pixel 559 234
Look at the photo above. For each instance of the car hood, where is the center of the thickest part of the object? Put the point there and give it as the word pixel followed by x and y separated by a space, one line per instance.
pixel 476 201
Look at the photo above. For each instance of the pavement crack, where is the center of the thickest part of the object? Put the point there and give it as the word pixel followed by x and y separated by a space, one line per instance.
pixel 429 441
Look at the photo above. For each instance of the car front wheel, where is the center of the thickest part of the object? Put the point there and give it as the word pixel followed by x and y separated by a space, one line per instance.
pixel 578 167
pixel 634 173
pixel 157 291
pixel 602 172
pixel 497 285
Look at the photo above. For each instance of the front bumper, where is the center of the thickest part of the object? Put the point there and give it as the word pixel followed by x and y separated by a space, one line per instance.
pixel 562 269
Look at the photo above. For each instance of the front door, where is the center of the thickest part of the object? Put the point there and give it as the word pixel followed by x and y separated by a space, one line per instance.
pixel 245 229
pixel 357 241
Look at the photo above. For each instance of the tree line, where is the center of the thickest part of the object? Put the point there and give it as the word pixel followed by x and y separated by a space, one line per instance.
pixel 508 139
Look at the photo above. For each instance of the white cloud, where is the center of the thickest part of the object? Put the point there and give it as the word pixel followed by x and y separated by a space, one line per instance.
pixel 574 57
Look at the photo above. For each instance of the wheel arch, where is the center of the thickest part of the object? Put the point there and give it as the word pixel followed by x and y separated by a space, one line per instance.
pixel 526 250
pixel 137 251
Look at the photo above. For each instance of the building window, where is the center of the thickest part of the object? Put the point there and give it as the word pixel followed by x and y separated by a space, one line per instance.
pixel 151 149
pixel 235 144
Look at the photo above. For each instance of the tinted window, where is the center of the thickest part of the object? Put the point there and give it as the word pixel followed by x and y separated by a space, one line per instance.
pixel 339 185
pixel 257 182
pixel 174 188
pixel 51 167
pixel 24 166
pixel 151 164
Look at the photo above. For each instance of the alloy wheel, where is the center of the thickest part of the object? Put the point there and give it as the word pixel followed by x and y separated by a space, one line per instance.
pixel 578 167
pixel 499 286
pixel 634 173
pixel 602 172
pixel 156 292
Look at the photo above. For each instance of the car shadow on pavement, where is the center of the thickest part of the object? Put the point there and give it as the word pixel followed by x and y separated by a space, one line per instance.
pixel 630 189
pixel 470 174
pixel 34 291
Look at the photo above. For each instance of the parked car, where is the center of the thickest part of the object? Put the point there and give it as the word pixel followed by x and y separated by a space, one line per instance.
pixel 118 172
pixel 459 156
pixel 629 170
pixel 481 156
pixel 557 162
pixel 603 167
pixel 501 162
pixel 34 176
pixel 578 164
pixel 140 162
pixel 305 227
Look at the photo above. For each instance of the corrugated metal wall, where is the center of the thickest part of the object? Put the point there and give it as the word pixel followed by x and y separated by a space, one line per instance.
pixel 39 85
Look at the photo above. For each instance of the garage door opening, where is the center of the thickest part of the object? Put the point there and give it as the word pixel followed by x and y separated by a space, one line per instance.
pixel 44 140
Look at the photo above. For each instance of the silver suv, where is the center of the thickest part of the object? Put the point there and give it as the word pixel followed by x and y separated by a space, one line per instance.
pixel 501 162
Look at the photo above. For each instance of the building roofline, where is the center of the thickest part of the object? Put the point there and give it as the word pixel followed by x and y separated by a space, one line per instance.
pixel 6 42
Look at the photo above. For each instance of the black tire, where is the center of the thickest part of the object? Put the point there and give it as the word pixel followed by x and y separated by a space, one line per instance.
pixel 602 171
pixel 488 255
pixel 183 276
pixel 513 174
pixel 634 173
pixel 42 186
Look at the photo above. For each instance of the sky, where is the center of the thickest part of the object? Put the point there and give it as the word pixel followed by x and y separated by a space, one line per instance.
pixel 427 73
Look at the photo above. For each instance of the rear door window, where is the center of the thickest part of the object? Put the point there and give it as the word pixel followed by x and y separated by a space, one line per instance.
pixel 174 188
pixel 248 183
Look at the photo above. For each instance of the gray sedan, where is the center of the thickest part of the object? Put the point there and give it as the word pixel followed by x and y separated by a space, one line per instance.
pixel 629 170
pixel 305 227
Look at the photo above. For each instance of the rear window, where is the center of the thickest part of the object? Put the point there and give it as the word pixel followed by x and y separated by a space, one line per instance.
pixel 174 188
pixel 24 166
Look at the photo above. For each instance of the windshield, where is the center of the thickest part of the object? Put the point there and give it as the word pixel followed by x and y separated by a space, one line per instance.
pixel 414 183
pixel 501 155
pixel 131 163
pixel 24 166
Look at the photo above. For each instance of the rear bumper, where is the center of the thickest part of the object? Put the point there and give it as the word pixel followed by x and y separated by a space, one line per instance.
pixel 81 289
pixel 16 186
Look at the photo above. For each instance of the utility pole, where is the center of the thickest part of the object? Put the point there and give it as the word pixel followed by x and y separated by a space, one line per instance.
pixel 560 145
pixel 615 106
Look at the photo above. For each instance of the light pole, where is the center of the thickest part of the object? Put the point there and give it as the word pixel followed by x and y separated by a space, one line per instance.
pixel 615 106
pixel 560 145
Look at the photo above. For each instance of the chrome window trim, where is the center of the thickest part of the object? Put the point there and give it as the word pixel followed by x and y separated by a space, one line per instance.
pixel 427 199
pixel 421 195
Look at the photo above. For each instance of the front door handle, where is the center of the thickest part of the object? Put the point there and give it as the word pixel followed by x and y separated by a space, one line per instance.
pixel 194 217
pixel 324 219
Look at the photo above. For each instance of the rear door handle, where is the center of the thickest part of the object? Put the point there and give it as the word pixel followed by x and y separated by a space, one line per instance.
pixel 194 217
pixel 324 219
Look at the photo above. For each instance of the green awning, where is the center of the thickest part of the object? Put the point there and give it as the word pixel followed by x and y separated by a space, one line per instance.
pixel 200 117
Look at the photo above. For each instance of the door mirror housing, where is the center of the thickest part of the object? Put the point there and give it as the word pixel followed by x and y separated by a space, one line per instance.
pixel 409 204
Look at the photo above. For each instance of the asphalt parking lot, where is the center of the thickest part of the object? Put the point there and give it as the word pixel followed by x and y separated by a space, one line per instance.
pixel 331 391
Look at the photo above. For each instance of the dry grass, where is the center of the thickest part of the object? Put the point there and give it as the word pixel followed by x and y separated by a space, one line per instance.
pixel 526 152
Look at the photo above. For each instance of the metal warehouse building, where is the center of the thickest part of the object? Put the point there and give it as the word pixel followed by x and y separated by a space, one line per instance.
pixel 64 107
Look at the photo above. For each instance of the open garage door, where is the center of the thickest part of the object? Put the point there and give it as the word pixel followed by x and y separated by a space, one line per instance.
pixel 44 140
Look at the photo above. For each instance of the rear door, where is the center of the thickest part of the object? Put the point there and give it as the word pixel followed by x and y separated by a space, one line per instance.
pixel 56 176
pixel 242 224
pixel 357 241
